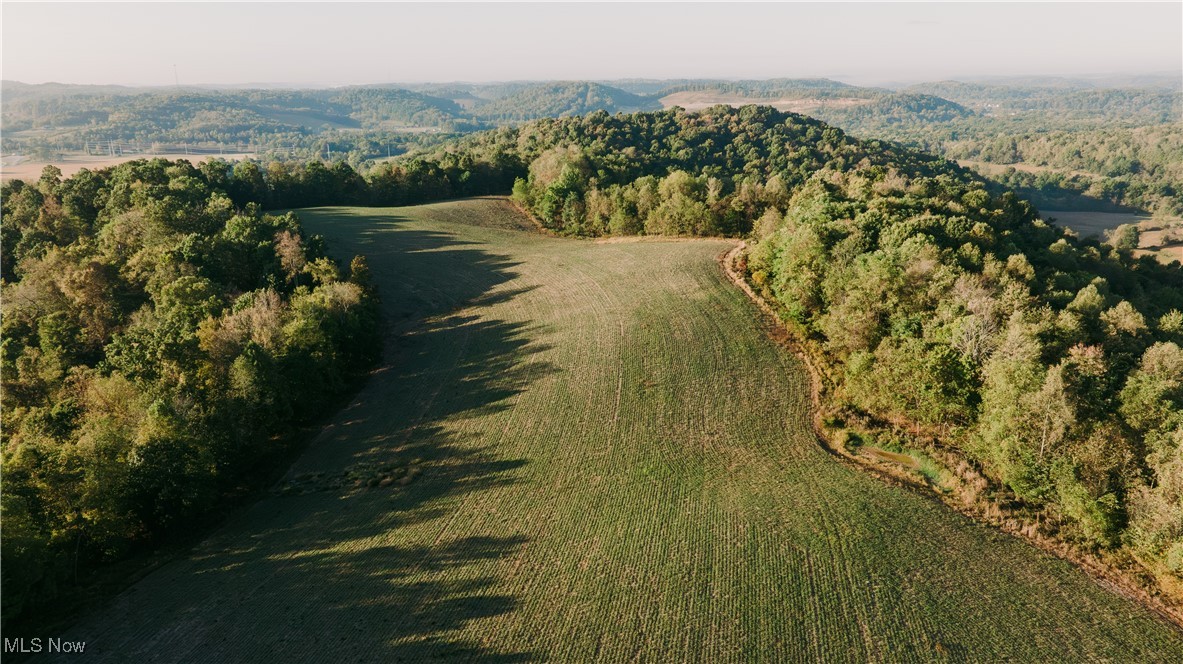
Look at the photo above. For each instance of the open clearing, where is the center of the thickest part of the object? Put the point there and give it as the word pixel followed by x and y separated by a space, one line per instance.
pixel 988 168
pixel 1158 239
pixel 1161 237
pixel 696 100
pixel 617 465
pixel 1093 223
pixel 15 167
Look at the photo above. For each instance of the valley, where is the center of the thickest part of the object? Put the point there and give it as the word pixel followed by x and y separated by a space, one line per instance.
pixel 612 460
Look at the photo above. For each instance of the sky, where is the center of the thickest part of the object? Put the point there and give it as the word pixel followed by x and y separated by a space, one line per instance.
pixel 329 44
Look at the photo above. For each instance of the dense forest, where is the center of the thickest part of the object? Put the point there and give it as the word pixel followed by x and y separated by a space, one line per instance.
pixel 1125 105
pixel 561 99
pixel 1097 148
pixel 938 303
pixel 1139 167
pixel 296 123
pixel 356 123
pixel 1054 365
pixel 1060 162
pixel 673 172
pixel 159 340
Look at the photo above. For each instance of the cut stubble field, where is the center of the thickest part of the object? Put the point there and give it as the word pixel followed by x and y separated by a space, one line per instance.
pixel 617 465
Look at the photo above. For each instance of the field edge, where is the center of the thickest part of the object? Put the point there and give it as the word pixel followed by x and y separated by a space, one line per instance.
pixel 1106 573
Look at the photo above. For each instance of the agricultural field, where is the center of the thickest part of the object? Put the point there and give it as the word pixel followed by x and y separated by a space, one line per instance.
pixel 1161 237
pixel 696 100
pixel 593 451
pixel 988 169
pixel 1095 224
pixel 17 167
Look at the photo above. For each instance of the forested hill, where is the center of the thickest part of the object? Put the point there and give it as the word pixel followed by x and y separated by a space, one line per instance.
pixel 66 116
pixel 774 88
pixel 562 99
pixel 202 116
pixel 886 111
pixel 712 172
pixel 1127 105
pixel 936 302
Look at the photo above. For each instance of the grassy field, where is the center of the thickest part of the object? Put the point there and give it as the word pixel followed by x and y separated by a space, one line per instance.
pixel 988 168
pixel 612 462
pixel 1094 223
pixel 1160 237
pixel 14 167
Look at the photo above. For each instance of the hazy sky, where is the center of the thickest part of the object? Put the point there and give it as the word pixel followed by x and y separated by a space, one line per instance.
pixel 340 43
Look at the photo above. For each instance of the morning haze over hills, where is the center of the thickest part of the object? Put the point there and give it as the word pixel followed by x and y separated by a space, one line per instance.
pixel 607 356
pixel 973 122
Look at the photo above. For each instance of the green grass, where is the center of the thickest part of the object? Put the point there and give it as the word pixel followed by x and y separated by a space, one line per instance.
pixel 616 465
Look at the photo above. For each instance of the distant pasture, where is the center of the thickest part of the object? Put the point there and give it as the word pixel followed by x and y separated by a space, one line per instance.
pixel 18 167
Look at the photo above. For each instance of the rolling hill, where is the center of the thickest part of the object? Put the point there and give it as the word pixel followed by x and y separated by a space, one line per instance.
pixel 608 459
pixel 550 100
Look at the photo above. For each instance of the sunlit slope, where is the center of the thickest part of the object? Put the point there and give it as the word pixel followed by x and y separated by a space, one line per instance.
pixel 616 466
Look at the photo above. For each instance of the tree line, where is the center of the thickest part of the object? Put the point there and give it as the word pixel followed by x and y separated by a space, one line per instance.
pixel 941 302
pixel 1054 365
pixel 159 339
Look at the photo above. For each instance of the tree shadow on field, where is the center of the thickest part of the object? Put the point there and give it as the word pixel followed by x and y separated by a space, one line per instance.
pixel 346 570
